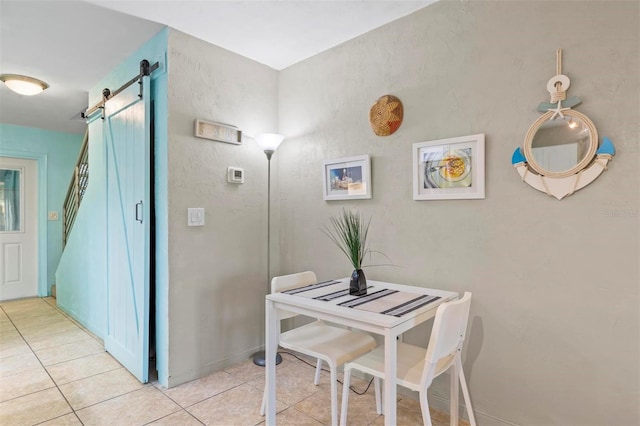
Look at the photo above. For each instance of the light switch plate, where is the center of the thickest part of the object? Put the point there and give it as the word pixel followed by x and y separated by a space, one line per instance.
pixel 53 215
pixel 195 217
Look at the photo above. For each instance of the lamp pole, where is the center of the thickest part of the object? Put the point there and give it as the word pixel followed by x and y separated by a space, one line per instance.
pixel 269 142
pixel 269 153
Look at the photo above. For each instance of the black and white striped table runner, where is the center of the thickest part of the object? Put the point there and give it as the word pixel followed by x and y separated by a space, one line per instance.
pixel 398 304
pixel 311 287
pixel 388 302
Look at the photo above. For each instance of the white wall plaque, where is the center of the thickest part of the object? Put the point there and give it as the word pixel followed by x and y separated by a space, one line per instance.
pixel 217 132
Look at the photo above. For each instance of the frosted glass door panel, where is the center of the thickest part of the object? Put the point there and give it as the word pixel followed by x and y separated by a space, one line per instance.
pixel 11 203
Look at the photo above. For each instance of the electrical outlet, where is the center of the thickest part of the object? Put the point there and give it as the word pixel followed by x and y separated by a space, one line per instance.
pixel 53 215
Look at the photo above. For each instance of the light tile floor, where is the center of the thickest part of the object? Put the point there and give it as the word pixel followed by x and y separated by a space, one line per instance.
pixel 54 372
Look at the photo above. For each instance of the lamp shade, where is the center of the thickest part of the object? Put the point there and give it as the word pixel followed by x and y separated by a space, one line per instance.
pixel 269 142
pixel 23 85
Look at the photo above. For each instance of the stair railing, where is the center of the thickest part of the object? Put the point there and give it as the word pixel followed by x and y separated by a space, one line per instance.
pixel 77 188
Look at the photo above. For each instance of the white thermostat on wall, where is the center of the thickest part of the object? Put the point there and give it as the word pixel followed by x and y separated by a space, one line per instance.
pixel 235 175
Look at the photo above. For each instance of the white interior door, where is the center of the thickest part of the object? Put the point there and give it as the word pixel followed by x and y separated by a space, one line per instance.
pixel 18 228
pixel 127 138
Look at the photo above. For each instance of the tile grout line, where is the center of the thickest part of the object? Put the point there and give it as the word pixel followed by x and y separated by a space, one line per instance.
pixel 70 318
pixel 72 359
pixel 185 408
pixel 55 309
pixel 57 386
pixel 59 417
pixel 117 396
pixel 196 403
pixel 182 409
pixel 46 371
pixel 74 412
pixel 301 363
pixel 93 375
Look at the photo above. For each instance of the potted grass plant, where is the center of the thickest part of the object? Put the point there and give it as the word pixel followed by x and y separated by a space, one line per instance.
pixel 349 232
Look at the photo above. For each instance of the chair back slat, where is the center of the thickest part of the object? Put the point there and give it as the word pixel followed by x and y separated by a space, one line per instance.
pixel 447 336
pixel 287 282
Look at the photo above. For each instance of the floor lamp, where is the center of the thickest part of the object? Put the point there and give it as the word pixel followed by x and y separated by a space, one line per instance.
pixel 269 142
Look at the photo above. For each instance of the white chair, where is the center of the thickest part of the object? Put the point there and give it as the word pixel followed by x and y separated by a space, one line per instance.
pixel 327 343
pixel 417 367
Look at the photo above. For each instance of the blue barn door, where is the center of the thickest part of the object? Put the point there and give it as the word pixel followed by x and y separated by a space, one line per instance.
pixel 127 139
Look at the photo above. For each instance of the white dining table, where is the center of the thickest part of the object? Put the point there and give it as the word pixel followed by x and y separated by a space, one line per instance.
pixel 388 326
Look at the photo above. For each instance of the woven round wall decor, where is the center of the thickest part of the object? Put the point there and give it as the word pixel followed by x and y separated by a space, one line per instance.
pixel 386 115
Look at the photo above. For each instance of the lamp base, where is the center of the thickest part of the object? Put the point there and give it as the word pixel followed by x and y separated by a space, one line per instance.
pixel 260 359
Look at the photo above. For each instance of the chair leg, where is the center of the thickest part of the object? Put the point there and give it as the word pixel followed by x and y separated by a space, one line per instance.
pixel 453 400
pixel 345 396
pixel 334 395
pixel 465 392
pixel 316 381
pixel 263 406
pixel 424 406
pixel 376 382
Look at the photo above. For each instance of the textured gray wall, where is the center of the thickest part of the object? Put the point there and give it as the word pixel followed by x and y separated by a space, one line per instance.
pixel 553 335
pixel 217 272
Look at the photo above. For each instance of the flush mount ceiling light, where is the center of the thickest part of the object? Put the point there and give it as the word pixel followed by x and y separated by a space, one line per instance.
pixel 23 85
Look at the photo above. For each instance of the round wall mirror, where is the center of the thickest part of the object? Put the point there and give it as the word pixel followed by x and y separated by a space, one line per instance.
pixel 561 146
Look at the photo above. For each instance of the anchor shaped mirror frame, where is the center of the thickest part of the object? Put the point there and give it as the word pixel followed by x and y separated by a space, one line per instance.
pixel 561 183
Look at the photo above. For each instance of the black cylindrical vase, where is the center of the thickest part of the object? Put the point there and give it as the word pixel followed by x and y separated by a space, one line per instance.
pixel 358 283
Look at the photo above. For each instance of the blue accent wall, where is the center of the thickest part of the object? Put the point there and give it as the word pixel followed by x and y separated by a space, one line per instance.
pixel 81 275
pixel 56 154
